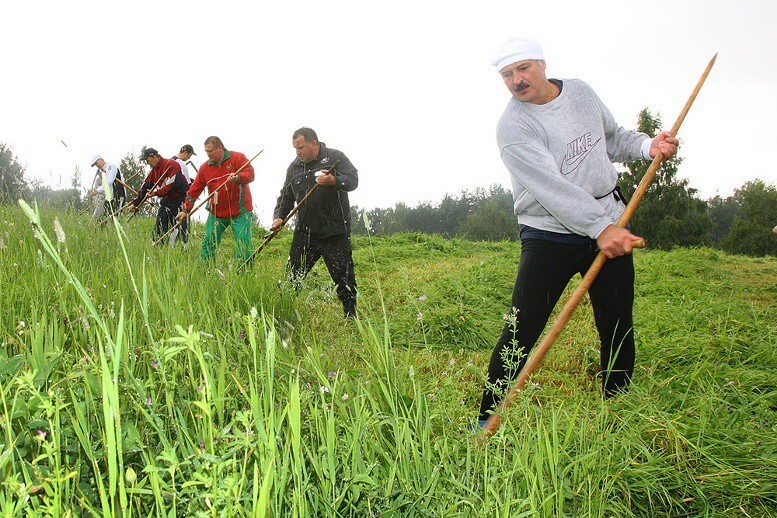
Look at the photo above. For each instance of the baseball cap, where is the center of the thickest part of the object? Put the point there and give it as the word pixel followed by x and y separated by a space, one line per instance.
pixel 95 158
pixel 187 148
pixel 149 151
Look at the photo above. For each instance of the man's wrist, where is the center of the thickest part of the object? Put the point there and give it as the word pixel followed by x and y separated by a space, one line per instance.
pixel 645 148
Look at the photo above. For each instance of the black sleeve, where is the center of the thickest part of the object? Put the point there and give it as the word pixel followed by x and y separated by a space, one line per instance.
pixel 285 201
pixel 347 174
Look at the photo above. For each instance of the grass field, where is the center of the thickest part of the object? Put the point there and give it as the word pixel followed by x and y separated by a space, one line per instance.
pixel 138 381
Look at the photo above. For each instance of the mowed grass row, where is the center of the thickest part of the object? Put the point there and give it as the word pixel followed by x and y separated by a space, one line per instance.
pixel 139 381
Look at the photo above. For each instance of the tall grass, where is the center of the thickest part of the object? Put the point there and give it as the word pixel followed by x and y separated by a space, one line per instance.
pixel 137 381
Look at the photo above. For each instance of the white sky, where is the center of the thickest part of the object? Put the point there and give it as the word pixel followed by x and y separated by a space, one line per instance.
pixel 405 89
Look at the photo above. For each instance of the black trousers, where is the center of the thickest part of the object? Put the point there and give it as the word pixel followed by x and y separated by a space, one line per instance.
pixel 544 270
pixel 307 249
pixel 165 219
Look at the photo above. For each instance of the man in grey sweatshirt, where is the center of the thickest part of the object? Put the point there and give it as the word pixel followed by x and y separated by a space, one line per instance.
pixel 558 141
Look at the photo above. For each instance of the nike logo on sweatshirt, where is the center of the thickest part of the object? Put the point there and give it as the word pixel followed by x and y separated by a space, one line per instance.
pixel 577 150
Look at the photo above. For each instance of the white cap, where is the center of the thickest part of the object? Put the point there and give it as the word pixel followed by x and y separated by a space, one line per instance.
pixel 95 158
pixel 515 50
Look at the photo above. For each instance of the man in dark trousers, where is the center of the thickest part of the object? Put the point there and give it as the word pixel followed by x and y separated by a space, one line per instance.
pixel 558 141
pixel 323 227
pixel 171 190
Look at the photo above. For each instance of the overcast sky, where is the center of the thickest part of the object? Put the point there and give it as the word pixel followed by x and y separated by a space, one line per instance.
pixel 405 89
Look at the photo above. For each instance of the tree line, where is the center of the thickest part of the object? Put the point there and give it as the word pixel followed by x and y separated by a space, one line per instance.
pixel 671 213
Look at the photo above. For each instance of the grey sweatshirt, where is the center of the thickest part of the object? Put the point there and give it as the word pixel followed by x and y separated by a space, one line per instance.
pixel 560 158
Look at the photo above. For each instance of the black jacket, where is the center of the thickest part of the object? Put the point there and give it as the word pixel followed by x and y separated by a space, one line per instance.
pixel 327 212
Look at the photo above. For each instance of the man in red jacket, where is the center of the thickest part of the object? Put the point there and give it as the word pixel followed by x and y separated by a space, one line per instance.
pixel 166 181
pixel 231 205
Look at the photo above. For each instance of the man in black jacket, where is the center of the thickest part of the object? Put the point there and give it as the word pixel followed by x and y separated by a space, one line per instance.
pixel 323 227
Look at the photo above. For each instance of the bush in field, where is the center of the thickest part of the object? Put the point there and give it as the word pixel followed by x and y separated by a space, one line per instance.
pixel 751 229
pixel 670 214
pixel 491 222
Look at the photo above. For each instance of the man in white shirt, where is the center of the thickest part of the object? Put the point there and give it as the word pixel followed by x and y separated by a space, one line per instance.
pixel 183 157
pixel 108 194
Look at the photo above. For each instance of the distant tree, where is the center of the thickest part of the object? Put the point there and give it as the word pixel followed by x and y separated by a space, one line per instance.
pixel 490 222
pixel 670 214
pixel 751 230
pixel 722 212
pixel 13 185
pixel 78 201
pixel 132 169
pixel 65 199
pixel 464 214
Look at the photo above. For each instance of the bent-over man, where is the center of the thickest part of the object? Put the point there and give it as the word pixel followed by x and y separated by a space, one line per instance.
pixel 166 181
pixel 107 192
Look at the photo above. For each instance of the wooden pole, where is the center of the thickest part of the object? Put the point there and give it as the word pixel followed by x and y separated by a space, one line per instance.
pixel 534 361
pixel 127 186
pixel 268 237
pixel 141 202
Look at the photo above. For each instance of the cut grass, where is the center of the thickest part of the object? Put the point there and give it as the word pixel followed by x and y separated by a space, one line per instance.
pixel 235 397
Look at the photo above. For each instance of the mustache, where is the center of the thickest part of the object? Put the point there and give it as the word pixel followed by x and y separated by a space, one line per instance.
pixel 521 86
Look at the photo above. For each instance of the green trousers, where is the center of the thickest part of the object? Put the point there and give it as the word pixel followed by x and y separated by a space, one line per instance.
pixel 214 231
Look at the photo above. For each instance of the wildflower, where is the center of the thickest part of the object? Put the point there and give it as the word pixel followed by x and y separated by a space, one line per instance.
pixel 41 435
pixel 345 397
pixel 254 313
pixel 130 476
pixel 366 219
pixel 331 375
pixel 285 344
pixel 148 401
pixel 155 364
pixel 33 217
pixel 451 361
pixel 242 335
pixel 58 231
pixel 324 389
pixel 419 316
pixel 422 298
pixel 411 371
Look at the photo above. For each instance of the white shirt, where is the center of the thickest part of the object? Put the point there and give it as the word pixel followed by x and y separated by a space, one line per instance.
pixel 184 169
pixel 110 176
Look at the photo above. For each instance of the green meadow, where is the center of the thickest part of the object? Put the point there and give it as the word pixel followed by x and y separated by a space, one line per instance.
pixel 138 381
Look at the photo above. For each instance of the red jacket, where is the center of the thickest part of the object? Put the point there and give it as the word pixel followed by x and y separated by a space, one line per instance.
pixel 232 199
pixel 171 189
